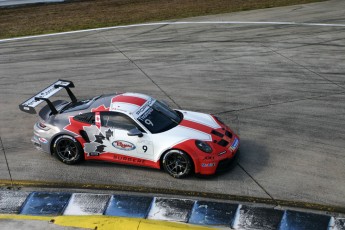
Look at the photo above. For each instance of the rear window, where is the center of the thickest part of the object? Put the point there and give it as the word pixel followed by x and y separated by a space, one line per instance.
pixel 80 105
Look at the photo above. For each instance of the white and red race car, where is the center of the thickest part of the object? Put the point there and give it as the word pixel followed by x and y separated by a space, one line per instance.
pixel 131 128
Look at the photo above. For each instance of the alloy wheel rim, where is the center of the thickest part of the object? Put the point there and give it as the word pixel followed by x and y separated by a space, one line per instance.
pixel 176 164
pixel 66 149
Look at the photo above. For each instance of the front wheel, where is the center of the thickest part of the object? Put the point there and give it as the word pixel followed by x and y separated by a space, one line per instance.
pixel 68 150
pixel 177 163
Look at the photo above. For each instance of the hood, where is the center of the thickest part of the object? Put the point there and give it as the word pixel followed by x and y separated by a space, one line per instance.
pixel 205 127
pixel 195 125
pixel 200 121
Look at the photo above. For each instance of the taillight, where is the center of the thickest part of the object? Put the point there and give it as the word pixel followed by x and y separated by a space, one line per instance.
pixel 42 126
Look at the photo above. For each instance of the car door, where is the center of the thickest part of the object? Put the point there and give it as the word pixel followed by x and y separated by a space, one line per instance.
pixel 116 126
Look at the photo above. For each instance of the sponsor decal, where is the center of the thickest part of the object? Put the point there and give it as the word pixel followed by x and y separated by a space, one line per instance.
pixel 145 106
pixel 204 165
pixel 221 153
pixel 129 159
pixel 46 93
pixel 123 145
pixel 43 140
pixel 145 114
pixel 234 144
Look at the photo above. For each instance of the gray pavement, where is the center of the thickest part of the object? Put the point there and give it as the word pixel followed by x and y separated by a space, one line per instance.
pixel 281 87
pixel 4 172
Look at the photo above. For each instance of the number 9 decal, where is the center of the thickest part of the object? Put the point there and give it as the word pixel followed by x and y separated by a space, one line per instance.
pixel 148 122
pixel 144 148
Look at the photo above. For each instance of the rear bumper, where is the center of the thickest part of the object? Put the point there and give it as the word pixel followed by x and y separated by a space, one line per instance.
pixel 36 143
pixel 40 143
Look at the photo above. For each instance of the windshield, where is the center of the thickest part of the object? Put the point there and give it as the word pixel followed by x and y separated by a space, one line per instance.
pixel 158 118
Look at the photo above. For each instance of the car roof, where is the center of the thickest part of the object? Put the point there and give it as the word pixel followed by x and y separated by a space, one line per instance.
pixel 125 102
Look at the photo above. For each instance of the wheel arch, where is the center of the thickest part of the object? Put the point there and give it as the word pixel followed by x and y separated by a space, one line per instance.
pixel 79 147
pixel 193 159
pixel 189 147
pixel 53 139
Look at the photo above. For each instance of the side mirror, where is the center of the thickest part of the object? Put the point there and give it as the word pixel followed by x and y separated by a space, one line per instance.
pixel 135 132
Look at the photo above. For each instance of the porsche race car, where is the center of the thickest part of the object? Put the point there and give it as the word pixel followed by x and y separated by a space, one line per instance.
pixel 130 128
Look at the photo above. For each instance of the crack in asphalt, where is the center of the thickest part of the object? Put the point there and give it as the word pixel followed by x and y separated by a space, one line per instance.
pixel 143 72
pixel 16 147
pixel 8 167
pixel 279 103
pixel 304 67
pixel 256 182
pixel 145 32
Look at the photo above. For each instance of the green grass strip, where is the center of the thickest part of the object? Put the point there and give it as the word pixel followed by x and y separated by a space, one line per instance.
pixel 85 14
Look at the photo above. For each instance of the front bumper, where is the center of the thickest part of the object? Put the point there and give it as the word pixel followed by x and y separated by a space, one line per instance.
pixel 220 164
pixel 228 163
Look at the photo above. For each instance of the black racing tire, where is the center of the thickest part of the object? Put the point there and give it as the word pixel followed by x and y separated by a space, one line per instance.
pixel 68 150
pixel 177 163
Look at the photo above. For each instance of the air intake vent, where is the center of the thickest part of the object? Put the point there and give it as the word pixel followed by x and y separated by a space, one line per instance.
pixel 214 132
pixel 84 135
pixel 223 143
pixel 228 134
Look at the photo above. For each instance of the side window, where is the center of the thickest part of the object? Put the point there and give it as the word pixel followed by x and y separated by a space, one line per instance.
pixel 117 120
pixel 86 118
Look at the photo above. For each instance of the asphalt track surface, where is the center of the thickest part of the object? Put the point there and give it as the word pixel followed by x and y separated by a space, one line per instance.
pixel 281 87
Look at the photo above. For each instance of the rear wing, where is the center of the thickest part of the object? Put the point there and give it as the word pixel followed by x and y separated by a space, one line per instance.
pixel 29 105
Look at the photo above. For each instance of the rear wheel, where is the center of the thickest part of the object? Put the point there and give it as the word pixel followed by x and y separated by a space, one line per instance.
pixel 68 150
pixel 177 163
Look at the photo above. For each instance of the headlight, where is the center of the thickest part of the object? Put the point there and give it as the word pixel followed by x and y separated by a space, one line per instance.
pixel 203 146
